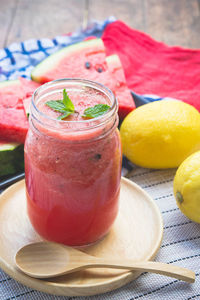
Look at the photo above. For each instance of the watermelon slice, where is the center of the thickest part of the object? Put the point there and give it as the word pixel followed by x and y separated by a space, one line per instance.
pixel 13 120
pixel 87 60
pixel 71 61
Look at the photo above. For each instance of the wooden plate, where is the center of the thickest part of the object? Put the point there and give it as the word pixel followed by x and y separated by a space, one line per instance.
pixel 136 234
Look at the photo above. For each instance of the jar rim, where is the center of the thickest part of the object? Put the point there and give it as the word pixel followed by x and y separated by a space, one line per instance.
pixel 76 81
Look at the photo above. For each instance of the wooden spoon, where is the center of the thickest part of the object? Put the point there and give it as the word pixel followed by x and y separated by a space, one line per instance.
pixel 45 259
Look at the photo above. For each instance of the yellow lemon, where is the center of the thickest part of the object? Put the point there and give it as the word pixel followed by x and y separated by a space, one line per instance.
pixel 161 134
pixel 187 187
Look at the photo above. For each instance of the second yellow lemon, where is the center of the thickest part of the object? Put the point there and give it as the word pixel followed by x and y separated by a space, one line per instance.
pixel 161 134
pixel 187 187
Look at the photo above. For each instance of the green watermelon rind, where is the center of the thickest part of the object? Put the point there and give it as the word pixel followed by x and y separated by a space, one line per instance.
pixel 53 60
pixel 113 60
pixel 8 146
pixel 9 83
pixel 11 158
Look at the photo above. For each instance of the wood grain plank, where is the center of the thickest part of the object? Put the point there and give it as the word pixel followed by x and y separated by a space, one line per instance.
pixel 174 22
pixel 7 12
pixel 48 18
pixel 129 11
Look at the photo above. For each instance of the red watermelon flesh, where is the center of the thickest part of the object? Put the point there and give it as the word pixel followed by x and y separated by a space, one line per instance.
pixel 118 86
pixel 28 87
pixel 87 60
pixel 13 120
pixel 13 124
pixel 11 94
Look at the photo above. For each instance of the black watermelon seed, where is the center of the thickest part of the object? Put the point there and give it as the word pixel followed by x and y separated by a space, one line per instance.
pixel 87 65
pixel 97 156
pixel 99 70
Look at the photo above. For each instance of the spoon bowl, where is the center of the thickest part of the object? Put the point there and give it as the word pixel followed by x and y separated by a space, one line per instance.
pixel 46 260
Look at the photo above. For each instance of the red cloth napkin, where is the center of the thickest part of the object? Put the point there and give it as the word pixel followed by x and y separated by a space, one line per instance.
pixel 152 67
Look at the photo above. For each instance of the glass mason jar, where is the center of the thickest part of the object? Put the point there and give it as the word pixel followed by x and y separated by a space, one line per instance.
pixel 72 166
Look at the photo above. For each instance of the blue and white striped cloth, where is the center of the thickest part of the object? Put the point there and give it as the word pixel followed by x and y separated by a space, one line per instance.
pixel 181 242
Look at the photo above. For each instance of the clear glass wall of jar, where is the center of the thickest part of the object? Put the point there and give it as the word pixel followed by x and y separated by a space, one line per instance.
pixel 72 166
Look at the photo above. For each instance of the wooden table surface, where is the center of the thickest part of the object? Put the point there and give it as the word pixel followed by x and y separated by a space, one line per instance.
pixel 175 22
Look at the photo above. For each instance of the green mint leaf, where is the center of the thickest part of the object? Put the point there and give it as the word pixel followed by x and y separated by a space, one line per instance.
pixel 95 111
pixel 65 106
pixel 65 115
pixel 56 105
pixel 67 101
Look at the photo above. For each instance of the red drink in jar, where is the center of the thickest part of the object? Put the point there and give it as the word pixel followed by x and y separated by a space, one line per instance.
pixel 72 166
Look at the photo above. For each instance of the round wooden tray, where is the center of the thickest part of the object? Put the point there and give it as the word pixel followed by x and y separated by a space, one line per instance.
pixel 136 234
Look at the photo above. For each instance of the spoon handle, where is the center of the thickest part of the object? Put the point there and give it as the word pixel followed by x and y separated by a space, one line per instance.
pixel 148 266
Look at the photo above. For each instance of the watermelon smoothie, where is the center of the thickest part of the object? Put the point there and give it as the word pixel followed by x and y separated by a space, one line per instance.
pixel 72 166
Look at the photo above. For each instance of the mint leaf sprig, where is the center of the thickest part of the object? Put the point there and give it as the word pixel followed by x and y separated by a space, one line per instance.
pixel 65 106
pixel 95 111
